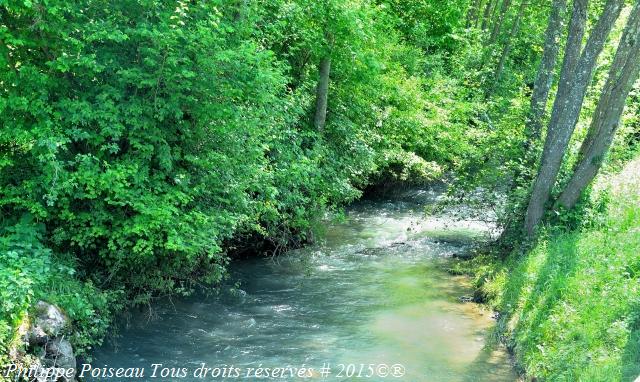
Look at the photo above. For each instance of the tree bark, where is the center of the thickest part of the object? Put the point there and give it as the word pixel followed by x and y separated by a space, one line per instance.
pixel 623 74
pixel 544 78
pixel 472 13
pixel 495 32
pixel 488 10
pixel 506 50
pixel 572 51
pixel 322 93
pixel 568 104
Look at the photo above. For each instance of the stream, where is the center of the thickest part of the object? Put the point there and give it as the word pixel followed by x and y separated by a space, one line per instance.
pixel 370 301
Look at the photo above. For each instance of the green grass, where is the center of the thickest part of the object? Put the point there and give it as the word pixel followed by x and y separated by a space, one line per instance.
pixel 571 304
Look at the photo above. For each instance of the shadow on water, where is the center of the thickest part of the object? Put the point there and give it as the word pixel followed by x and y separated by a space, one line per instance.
pixel 489 362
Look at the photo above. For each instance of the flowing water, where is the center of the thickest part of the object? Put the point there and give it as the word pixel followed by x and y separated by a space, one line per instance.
pixel 369 302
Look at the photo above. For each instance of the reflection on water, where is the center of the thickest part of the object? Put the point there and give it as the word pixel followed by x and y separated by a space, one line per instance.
pixel 372 292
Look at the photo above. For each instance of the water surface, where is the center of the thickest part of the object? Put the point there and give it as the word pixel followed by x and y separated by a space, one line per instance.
pixel 371 292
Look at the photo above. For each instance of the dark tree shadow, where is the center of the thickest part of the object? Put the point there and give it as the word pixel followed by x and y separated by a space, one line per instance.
pixel 631 354
pixel 559 265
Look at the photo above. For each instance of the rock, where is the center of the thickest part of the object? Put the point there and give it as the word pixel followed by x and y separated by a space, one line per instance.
pixel 465 255
pixel 54 362
pixel 59 353
pixel 479 297
pixel 37 336
pixel 49 323
pixel 50 318
pixel 44 337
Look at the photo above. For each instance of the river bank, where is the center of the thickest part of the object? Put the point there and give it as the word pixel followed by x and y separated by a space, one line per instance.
pixel 569 302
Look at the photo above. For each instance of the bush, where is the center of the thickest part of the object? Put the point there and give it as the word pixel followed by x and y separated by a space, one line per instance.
pixel 147 136
pixel 24 269
pixel 29 272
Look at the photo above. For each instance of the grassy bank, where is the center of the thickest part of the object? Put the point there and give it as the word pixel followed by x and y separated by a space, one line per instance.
pixel 570 304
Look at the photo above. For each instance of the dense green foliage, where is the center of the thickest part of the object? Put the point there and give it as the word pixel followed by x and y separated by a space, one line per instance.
pixel 29 271
pixel 163 136
pixel 156 136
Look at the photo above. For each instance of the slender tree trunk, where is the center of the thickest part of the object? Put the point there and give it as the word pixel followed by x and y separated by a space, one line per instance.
pixel 540 96
pixel 495 32
pixel 572 51
pixel 499 12
pixel 591 133
pixel 488 10
pixel 622 75
pixel 544 78
pixel 566 109
pixel 322 93
pixel 472 13
pixel 477 20
pixel 506 50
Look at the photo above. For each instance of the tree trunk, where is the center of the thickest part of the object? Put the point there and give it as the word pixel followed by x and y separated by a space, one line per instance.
pixel 544 78
pixel 322 93
pixel 515 28
pixel 568 103
pixel 540 96
pixel 477 20
pixel 486 17
pixel 472 13
pixel 495 32
pixel 572 51
pixel 622 75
